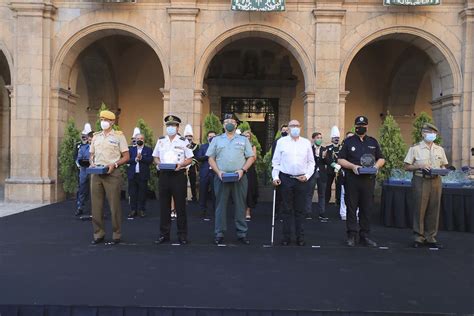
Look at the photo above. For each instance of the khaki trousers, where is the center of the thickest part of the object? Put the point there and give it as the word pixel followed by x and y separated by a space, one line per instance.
pixel 106 185
pixel 427 201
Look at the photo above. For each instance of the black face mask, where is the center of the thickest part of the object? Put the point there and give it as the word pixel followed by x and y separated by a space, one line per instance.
pixel 361 130
pixel 140 142
pixel 283 134
pixel 210 139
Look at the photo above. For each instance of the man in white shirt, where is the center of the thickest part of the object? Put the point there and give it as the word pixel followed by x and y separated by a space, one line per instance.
pixel 293 165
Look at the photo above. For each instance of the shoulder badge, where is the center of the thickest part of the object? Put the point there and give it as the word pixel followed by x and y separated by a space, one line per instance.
pixel 182 138
pixel 97 133
pixel 118 132
pixel 162 137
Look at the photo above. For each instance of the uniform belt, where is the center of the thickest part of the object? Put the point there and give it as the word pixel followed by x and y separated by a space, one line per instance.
pixel 291 176
pixel 173 171
pixel 425 176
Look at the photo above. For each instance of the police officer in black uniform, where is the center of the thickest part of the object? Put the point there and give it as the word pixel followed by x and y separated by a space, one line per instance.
pixel 172 149
pixel 332 169
pixel 359 189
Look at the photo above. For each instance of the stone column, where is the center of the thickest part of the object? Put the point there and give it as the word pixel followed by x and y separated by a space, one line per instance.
pixel 182 56
pixel 166 107
pixel 31 179
pixel 445 114
pixel 309 114
pixel 463 153
pixel 196 118
pixel 327 112
pixel 342 113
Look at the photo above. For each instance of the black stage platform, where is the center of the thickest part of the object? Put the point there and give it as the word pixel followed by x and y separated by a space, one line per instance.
pixel 48 267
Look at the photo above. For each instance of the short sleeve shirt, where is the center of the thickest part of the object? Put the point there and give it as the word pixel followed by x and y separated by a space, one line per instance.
pixel 421 154
pixel 108 149
pixel 230 154
pixel 172 151
pixel 354 148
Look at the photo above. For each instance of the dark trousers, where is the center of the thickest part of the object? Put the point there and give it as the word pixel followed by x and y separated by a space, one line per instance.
pixel 330 180
pixel 137 189
pixel 293 197
pixel 320 182
pixel 83 189
pixel 192 181
pixel 359 193
pixel 206 191
pixel 172 184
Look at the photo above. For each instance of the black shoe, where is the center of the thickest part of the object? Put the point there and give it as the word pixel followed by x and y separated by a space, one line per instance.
pixel 417 244
pixel 161 240
pixel 132 214
pixel 434 245
pixel 97 241
pixel 79 212
pixel 308 216
pixel 300 242
pixel 351 241
pixel 219 240
pixel 115 241
pixel 244 240
pixel 285 242
pixel 366 241
pixel 323 218
pixel 141 214
pixel 183 241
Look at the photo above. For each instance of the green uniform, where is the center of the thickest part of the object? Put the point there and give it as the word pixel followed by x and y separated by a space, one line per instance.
pixel 106 150
pixel 426 189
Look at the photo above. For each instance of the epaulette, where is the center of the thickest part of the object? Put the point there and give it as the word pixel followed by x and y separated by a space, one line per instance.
pixel 162 137
pixel 97 133
pixel 118 132
pixel 182 138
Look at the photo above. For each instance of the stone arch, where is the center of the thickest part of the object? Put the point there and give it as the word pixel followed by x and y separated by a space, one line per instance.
pixel 448 72
pixel 8 57
pixel 67 55
pixel 261 31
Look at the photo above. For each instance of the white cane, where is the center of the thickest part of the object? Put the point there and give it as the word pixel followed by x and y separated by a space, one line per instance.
pixel 273 216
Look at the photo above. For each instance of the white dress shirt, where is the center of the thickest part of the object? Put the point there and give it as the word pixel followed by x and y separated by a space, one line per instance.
pixel 293 157
pixel 137 166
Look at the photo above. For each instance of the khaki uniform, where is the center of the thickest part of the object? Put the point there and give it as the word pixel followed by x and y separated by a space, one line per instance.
pixel 107 149
pixel 427 190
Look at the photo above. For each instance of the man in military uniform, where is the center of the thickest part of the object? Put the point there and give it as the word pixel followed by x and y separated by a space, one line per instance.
pixel 421 158
pixel 82 162
pixel 230 153
pixel 359 188
pixel 332 166
pixel 172 149
pixel 108 148
pixel 192 168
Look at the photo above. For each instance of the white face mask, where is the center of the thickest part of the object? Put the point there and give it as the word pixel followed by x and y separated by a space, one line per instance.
pixel 104 125
pixel 430 137
pixel 295 131
pixel 171 130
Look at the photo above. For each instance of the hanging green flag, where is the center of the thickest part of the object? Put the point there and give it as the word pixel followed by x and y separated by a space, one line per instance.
pixel 258 5
pixel 411 2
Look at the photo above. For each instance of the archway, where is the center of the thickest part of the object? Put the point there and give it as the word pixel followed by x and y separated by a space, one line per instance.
pixel 115 64
pixel 260 80
pixel 5 106
pixel 399 73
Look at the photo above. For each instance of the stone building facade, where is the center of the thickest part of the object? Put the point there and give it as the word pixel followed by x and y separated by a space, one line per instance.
pixel 320 61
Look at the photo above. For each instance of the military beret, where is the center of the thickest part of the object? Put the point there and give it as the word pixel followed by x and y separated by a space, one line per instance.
pixel 230 116
pixel 361 120
pixel 429 126
pixel 107 115
pixel 172 119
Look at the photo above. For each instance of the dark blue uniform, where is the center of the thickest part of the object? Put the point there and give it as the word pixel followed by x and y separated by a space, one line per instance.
pixel 331 159
pixel 359 189
pixel 206 180
pixel 138 181
pixel 82 162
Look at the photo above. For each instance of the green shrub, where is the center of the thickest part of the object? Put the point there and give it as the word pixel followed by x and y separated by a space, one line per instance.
pixel 211 123
pixel 393 147
pixel 68 171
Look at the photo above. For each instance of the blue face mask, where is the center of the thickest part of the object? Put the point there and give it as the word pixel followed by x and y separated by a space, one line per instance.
pixel 171 130
pixel 229 127
pixel 295 131
pixel 430 137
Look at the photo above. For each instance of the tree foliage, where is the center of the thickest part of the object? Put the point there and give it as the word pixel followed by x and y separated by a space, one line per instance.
pixel 68 171
pixel 393 147
pixel 421 119
pixel 259 165
pixel 211 123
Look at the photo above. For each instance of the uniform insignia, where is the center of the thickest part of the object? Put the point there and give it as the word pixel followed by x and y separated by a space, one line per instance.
pixel 353 148
pixel 118 132
pixel 182 138
pixel 162 137
pixel 361 119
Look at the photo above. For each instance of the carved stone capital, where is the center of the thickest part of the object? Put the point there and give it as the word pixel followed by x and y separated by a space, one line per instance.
pixel 33 9
pixel 328 15
pixel 183 14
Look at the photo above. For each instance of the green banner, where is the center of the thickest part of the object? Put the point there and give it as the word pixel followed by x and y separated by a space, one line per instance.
pixel 411 2
pixel 258 5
